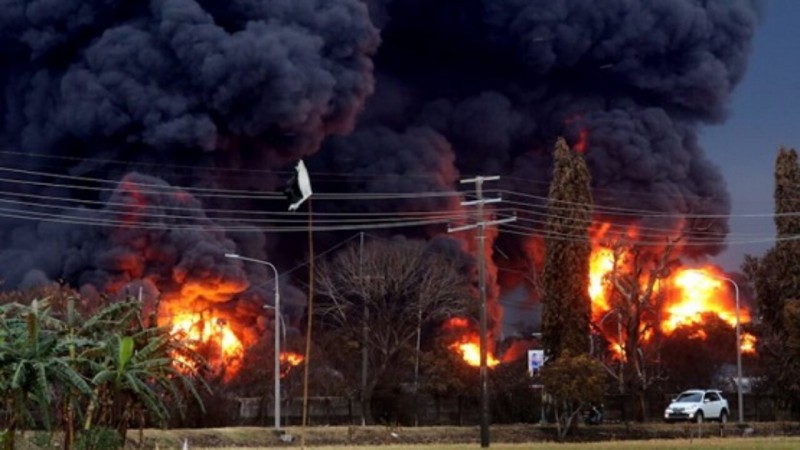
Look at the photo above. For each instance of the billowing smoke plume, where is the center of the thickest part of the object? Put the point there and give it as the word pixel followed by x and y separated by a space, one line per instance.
pixel 172 89
pixel 501 79
pixel 627 82
pixel 421 92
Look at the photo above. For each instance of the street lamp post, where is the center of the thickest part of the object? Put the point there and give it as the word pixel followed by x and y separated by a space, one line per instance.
pixel 277 334
pixel 738 350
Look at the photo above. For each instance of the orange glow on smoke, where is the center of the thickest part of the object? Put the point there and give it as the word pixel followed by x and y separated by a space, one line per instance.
pixel 583 136
pixel 457 322
pixel 689 294
pixel 214 332
pixel 468 343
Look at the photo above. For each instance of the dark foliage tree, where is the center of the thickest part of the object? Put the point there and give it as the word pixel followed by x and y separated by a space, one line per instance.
pixel 565 277
pixel 513 398
pixel 776 279
pixel 694 354
pixel 572 383
pixel 776 276
pixel 446 376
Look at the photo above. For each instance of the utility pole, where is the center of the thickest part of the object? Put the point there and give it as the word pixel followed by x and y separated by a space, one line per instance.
pixel 481 225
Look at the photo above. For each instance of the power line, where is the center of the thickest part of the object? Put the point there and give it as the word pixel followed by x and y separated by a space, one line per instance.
pixel 155 188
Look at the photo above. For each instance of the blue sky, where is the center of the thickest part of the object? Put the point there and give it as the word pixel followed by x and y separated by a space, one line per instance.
pixel 764 115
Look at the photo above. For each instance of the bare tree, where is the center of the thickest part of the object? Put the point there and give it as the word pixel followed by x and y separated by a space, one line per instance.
pixel 636 301
pixel 396 289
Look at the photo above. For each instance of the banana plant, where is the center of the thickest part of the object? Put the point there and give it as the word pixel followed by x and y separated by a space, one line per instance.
pixel 138 374
pixel 34 366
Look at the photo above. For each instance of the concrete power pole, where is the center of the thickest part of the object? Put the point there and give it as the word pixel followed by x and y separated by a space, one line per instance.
pixel 481 225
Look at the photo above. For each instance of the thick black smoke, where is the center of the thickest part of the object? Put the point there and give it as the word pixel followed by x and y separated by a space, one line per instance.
pixel 501 79
pixel 173 89
pixel 420 91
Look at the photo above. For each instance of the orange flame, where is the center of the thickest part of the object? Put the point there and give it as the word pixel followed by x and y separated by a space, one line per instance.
pixel 468 345
pixel 601 263
pixel 702 292
pixel 291 358
pixel 689 294
pixel 748 344
pixel 471 352
pixel 214 331
pixel 618 351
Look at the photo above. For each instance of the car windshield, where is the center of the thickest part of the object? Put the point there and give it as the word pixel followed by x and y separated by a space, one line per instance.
pixel 687 397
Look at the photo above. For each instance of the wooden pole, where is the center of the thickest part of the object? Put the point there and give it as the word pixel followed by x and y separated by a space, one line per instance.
pixel 310 314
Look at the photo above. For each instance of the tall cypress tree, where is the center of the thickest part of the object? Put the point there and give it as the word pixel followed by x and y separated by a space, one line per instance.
pixel 787 193
pixel 565 279
pixel 776 276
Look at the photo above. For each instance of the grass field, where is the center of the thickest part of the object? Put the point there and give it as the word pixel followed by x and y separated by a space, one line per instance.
pixel 775 435
pixel 760 435
pixel 695 444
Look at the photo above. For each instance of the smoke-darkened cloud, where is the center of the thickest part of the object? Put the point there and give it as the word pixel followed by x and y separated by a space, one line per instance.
pixel 390 96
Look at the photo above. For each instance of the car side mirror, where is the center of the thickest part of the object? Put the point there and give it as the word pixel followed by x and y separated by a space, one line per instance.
pixel 706 400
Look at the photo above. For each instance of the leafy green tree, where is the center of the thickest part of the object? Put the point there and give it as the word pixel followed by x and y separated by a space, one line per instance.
pixel 572 383
pixel 565 278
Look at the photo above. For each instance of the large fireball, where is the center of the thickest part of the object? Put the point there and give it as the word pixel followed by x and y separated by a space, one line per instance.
pixel 689 294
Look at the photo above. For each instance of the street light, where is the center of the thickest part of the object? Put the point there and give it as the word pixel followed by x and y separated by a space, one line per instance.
pixel 277 334
pixel 738 349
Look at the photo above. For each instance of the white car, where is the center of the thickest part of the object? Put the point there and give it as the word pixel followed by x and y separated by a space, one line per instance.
pixel 698 405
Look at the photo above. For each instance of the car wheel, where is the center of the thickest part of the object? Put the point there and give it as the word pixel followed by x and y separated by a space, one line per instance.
pixel 723 416
pixel 699 417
